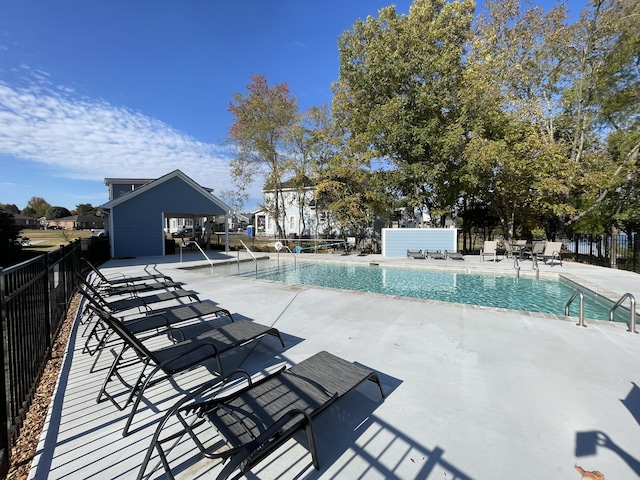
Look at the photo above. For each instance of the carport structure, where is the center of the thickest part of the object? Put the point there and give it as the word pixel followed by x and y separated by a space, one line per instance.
pixel 136 220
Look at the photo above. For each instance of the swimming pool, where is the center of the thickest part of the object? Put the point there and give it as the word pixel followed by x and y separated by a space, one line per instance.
pixel 484 289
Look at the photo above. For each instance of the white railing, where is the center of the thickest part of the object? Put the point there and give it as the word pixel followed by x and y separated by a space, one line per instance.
pixel 192 242
pixel 255 260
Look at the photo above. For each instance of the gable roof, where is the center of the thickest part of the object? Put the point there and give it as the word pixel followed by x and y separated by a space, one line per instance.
pixel 78 218
pixel 154 183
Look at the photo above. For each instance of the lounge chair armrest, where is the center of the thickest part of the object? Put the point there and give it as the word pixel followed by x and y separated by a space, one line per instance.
pixel 170 331
pixel 180 407
pixel 256 450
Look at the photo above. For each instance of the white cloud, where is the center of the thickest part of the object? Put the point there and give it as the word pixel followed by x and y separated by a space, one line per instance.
pixel 85 138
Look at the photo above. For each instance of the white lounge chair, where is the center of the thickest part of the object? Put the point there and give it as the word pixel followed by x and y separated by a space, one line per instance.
pixel 536 249
pixel 489 249
pixel 552 251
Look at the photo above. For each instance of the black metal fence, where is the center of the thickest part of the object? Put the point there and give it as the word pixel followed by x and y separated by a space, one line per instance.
pixel 620 251
pixel 34 296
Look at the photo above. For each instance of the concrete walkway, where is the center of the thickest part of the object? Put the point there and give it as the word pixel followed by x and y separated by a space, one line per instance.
pixel 471 393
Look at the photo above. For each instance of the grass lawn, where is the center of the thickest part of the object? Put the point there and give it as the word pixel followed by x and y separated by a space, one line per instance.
pixel 49 240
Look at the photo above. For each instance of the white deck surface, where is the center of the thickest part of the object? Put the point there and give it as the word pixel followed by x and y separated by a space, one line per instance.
pixel 471 393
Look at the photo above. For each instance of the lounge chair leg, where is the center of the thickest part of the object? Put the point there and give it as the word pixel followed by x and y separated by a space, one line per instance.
pixel 140 390
pixel 312 446
pixel 110 374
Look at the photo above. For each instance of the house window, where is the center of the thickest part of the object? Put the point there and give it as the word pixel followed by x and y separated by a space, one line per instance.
pixel 292 223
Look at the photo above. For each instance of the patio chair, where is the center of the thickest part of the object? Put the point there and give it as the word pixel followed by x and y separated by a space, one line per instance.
pixel 415 254
pixel 435 254
pixel 454 255
pixel 508 249
pixel 489 249
pixel 172 359
pixel 101 279
pixel 552 251
pixel 536 249
pixel 158 321
pixel 262 415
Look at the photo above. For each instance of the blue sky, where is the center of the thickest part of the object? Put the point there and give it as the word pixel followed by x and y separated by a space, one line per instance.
pixel 136 89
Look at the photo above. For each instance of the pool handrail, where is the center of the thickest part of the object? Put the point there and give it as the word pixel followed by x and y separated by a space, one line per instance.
pixel 295 263
pixel 255 260
pixel 632 310
pixel 577 293
pixel 193 242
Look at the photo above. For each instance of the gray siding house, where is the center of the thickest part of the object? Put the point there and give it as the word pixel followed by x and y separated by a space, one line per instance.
pixel 136 220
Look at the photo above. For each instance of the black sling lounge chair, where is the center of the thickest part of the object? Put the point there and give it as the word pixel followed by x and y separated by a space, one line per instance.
pixel 126 289
pixel 140 302
pixel 435 254
pixel 257 419
pixel 415 254
pixel 172 359
pixel 454 255
pixel 122 279
pixel 157 321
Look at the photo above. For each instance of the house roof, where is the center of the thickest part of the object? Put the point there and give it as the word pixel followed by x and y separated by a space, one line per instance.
pixel 78 218
pixel 19 216
pixel 154 183
pixel 293 184
pixel 132 181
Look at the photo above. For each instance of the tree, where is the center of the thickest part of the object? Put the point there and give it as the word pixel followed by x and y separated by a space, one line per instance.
pixel 340 176
pixel 57 212
pixel 28 211
pixel 9 233
pixel 9 208
pixel 39 206
pixel 603 100
pixel 398 93
pixel 86 209
pixel 514 161
pixel 263 118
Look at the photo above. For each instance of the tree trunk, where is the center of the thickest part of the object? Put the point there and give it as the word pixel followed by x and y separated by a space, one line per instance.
pixel 613 250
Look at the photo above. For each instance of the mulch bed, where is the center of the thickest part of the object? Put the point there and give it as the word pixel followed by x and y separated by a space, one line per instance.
pixel 25 448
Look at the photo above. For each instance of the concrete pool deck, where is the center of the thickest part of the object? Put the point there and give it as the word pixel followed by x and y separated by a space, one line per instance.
pixel 471 393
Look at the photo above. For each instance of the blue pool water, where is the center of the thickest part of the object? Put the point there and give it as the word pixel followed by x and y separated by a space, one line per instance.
pixel 489 290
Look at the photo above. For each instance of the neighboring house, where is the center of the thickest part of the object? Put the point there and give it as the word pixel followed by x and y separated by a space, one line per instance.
pixel 139 211
pixel 25 221
pixel 307 221
pixel 77 222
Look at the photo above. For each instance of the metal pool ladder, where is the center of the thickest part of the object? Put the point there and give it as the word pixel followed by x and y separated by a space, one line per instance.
pixel 632 310
pixel 577 293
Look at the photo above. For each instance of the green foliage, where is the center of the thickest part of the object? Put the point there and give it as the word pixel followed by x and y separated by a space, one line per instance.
pixel 53 213
pixel 262 120
pixel 9 233
pixel 38 205
pixel 9 208
pixel 518 115
pixel 86 209
pixel 398 93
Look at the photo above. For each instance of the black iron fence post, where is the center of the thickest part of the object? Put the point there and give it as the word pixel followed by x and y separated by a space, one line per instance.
pixel 636 250
pixel 4 380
